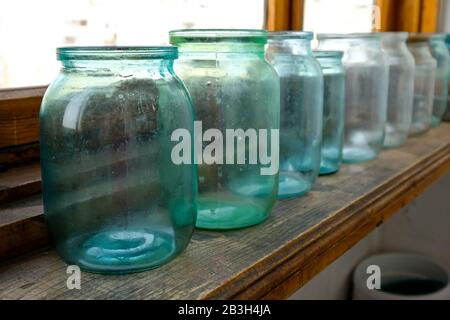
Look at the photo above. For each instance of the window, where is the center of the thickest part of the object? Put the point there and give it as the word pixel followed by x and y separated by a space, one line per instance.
pixel 31 30
pixel 338 16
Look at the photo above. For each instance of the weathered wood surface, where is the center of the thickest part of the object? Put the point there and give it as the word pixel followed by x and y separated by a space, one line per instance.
pixel 22 227
pixel 19 115
pixel 272 260
pixel 19 182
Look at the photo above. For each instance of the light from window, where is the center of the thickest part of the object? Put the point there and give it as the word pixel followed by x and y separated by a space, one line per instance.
pixel 31 30
pixel 332 16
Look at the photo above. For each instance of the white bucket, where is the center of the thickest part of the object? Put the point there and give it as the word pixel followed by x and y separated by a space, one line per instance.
pixel 403 277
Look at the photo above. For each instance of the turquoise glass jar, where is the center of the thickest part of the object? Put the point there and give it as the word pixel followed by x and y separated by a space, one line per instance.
pixel 366 93
pixel 333 110
pixel 440 53
pixel 401 88
pixel 447 115
pixel 114 200
pixel 236 96
pixel 301 111
pixel 424 84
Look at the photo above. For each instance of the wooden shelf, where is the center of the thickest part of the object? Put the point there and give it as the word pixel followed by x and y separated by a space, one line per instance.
pixel 273 260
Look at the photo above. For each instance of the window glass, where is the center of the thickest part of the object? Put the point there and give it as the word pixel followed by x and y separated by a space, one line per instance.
pixel 31 30
pixel 339 16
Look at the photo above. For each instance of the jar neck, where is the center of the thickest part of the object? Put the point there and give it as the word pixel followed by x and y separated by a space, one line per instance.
pixel 199 49
pixel 330 62
pixel 114 66
pixel 290 46
pixel 342 42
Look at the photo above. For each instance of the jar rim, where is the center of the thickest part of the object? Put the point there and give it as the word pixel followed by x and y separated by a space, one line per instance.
pixel 291 35
pixel 341 36
pixel 116 53
pixel 180 36
pixel 325 54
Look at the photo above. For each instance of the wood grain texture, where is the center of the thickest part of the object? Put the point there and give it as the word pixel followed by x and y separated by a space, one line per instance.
pixel 408 15
pixel 19 155
pixel 19 115
pixel 269 261
pixel 278 15
pixel 20 182
pixel 297 13
pixel 388 14
pixel 22 227
pixel 429 15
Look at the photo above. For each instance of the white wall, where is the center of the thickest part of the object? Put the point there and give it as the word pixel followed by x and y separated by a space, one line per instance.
pixel 422 227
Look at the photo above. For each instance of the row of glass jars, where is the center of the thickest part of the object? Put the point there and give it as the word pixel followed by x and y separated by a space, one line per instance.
pixel 125 180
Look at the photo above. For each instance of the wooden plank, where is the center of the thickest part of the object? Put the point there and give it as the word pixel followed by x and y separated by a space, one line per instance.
pixel 297 12
pixel 22 227
pixel 20 182
pixel 278 15
pixel 388 12
pixel 408 15
pixel 19 155
pixel 429 15
pixel 19 115
pixel 272 260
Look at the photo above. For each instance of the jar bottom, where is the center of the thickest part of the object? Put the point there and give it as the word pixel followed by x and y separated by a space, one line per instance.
pixel 436 122
pixel 328 168
pixel 419 128
pixel 218 212
pixel 352 154
pixel 293 185
pixel 120 251
pixel 394 140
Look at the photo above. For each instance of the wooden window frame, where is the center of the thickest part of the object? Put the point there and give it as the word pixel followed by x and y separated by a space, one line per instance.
pixel 409 15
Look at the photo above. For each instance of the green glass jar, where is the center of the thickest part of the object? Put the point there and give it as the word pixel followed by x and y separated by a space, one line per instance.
pixel 333 110
pixel 424 84
pixel 233 88
pixel 301 81
pixel 440 53
pixel 114 200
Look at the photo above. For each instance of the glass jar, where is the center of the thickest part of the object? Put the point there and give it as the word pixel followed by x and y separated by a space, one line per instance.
pixel 301 82
pixel 440 53
pixel 115 201
pixel 236 95
pixel 424 81
pixel 366 93
pixel 401 88
pixel 447 115
pixel 333 110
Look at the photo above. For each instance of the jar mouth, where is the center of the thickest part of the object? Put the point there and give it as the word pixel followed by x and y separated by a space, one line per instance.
pixel 218 35
pixel 322 54
pixel 291 35
pixel 343 36
pixel 116 53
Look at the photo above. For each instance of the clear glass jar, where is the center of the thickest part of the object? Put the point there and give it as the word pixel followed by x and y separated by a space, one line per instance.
pixel 366 93
pixel 440 53
pixel 233 87
pixel 424 81
pixel 114 200
pixel 401 88
pixel 301 82
pixel 333 110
